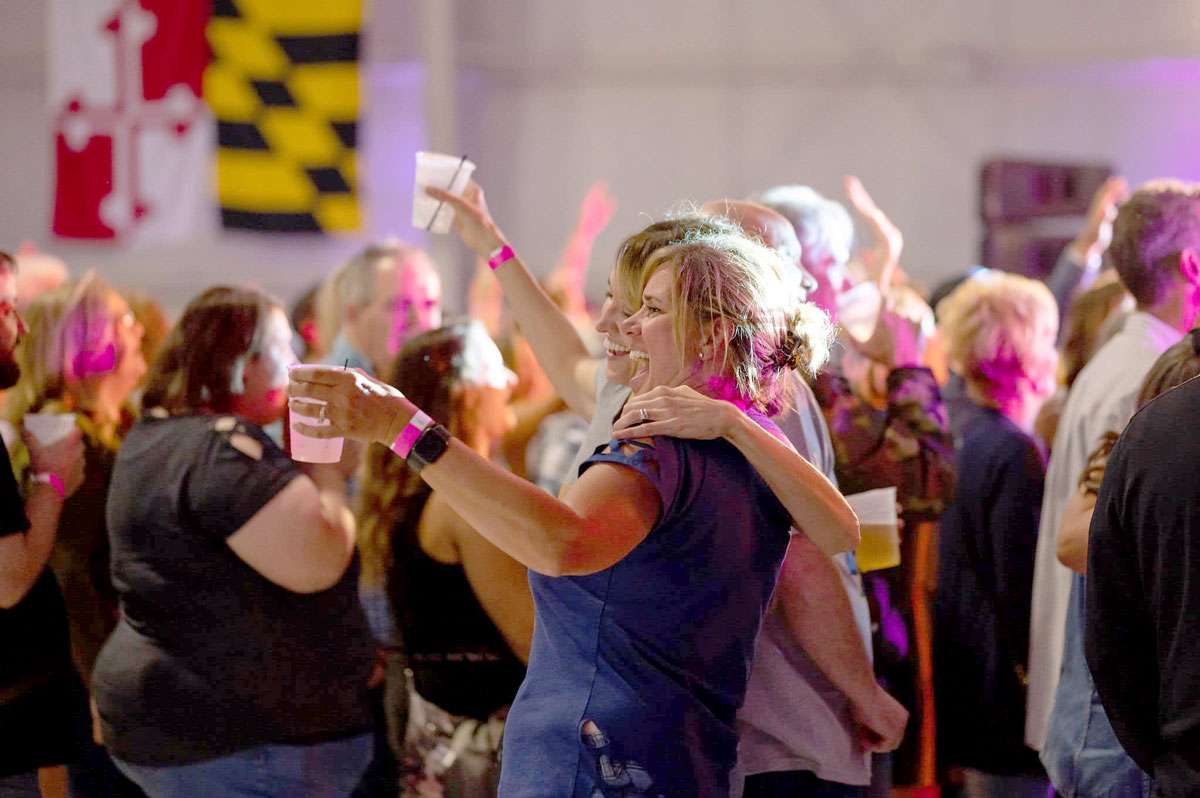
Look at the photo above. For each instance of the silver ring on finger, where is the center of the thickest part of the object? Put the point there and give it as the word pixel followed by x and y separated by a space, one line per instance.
pixel 321 414
pixel 643 415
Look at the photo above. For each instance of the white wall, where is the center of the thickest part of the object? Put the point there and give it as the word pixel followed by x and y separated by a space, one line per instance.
pixel 674 100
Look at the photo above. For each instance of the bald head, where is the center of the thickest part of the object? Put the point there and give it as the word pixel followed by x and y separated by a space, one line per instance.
pixel 767 225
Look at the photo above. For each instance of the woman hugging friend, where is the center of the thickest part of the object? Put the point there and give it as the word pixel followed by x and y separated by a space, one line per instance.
pixel 651 575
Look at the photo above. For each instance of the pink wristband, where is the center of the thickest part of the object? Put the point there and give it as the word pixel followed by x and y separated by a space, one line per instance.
pixel 54 481
pixel 408 436
pixel 502 255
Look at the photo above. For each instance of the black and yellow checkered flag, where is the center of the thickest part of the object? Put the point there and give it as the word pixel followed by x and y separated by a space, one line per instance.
pixel 284 86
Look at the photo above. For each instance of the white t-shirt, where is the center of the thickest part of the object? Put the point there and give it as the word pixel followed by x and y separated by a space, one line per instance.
pixel 1101 399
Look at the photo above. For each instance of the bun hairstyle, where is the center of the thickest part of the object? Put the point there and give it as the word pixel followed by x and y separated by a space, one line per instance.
pixel 740 292
pixel 803 347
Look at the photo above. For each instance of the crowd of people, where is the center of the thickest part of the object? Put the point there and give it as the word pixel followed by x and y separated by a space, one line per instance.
pixel 607 551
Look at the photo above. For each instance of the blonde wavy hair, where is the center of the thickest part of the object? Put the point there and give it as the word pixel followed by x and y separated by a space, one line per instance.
pixel 429 370
pixel 635 251
pixel 70 338
pixel 742 293
pixel 1000 330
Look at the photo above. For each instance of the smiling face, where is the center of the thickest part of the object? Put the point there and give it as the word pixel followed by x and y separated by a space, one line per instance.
pixel 660 359
pixel 617 363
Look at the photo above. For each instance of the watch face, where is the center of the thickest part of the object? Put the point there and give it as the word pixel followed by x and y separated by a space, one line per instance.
pixel 430 446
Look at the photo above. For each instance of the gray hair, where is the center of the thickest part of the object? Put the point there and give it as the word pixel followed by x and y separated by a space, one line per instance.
pixel 822 225
pixel 354 285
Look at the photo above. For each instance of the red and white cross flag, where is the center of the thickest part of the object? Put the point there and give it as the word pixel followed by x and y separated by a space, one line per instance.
pixel 133 138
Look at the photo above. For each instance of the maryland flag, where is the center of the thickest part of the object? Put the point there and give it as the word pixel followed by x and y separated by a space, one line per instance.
pixel 134 88
pixel 284 86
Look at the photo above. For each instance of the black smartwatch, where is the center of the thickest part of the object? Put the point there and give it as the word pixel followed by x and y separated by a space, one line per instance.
pixel 429 447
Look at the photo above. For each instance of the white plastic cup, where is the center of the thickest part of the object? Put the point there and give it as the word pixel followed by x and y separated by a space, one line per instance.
pixel 879 547
pixel 449 172
pixel 306 449
pixel 858 310
pixel 49 428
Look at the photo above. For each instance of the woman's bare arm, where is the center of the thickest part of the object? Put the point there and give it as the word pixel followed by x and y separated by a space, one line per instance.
pixel 1072 542
pixel 601 519
pixel 817 507
pixel 500 583
pixel 302 540
pixel 559 348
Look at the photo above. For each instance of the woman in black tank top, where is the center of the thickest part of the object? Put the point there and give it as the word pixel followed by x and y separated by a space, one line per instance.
pixel 462 607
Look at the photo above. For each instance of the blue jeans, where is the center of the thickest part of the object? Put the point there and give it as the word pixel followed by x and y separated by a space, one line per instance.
pixel 795 783
pixel 1081 754
pixel 324 770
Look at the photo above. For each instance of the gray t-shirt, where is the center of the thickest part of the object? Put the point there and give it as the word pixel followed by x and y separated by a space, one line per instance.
pixel 793 717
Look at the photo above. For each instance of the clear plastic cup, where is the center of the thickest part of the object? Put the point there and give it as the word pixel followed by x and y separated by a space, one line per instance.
pixel 306 449
pixel 49 428
pixel 449 172
pixel 879 547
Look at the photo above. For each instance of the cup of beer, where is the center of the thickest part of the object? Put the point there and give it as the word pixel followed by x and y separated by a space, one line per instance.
pixel 879 547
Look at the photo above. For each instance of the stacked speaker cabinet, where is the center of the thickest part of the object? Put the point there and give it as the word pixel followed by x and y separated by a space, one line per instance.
pixel 1032 210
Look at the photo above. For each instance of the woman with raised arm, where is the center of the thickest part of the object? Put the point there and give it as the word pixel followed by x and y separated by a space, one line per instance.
pixel 240 662
pixel 618 698
pixel 598 389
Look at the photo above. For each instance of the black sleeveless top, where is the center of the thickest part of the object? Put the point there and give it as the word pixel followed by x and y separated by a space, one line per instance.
pixel 458 657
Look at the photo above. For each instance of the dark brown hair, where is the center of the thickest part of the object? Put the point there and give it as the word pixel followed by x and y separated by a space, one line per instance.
pixel 427 370
pixel 193 371
pixel 1152 228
